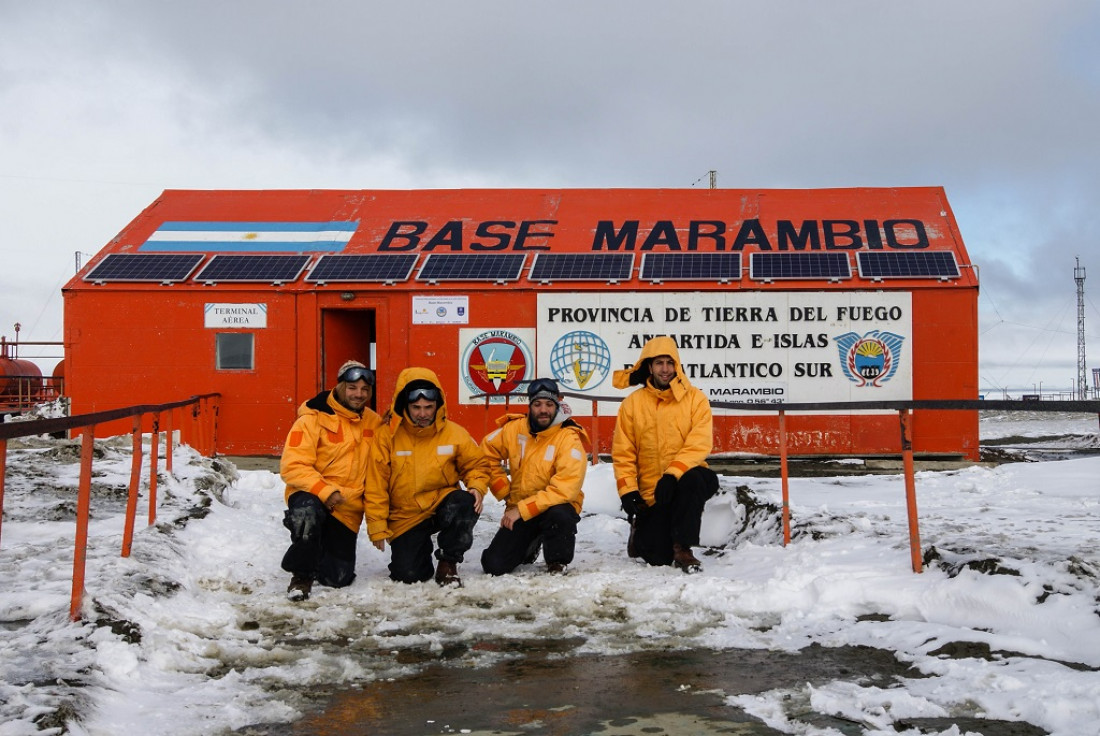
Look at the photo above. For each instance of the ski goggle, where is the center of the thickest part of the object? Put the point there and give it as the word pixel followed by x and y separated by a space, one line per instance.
pixel 542 385
pixel 356 373
pixel 430 394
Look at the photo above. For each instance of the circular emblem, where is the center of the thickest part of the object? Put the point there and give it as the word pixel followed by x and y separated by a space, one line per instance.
pixel 496 362
pixel 580 360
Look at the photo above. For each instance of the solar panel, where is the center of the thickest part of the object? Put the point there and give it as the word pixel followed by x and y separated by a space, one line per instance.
pixel 719 267
pixel 163 268
pixel 471 267
pixel 269 268
pixel 582 267
pixel 770 266
pixel 936 264
pixel 387 268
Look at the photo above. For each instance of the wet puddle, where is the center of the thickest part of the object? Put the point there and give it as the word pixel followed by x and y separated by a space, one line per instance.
pixel 548 691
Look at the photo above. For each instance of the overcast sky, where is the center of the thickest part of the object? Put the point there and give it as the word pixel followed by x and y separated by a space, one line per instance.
pixel 104 105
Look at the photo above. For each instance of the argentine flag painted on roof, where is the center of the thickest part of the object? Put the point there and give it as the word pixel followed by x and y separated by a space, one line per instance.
pixel 247 237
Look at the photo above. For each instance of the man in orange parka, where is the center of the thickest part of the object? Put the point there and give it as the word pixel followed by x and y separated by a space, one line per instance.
pixel 324 464
pixel 417 462
pixel 663 435
pixel 546 458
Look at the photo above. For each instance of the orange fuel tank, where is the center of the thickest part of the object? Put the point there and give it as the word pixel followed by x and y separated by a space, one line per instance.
pixel 19 379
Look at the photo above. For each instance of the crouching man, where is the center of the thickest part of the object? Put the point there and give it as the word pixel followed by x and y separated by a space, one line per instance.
pixel 544 453
pixel 324 463
pixel 663 435
pixel 417 462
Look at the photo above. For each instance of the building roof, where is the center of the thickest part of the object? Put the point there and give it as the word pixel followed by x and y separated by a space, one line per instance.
pixel 539 238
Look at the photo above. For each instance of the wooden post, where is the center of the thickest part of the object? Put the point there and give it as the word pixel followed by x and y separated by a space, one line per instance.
pixel 784 476
pixel 910 491
pixel 83 510
pixel 135 486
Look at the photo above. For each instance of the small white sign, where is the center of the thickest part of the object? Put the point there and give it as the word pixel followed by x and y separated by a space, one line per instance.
pixel 236 316
pixel 438 310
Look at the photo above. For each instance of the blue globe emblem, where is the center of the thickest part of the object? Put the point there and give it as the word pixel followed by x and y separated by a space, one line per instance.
pixel 580 360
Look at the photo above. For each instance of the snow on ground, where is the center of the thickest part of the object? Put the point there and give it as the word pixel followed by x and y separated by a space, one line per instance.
pixel 192 633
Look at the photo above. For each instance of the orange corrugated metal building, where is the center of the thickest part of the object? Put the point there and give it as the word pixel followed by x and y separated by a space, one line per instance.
pixel 772 295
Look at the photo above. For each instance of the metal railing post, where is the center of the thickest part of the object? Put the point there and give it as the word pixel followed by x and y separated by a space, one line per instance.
pixel 595 432
pixel 83 510
pixel 784 475
pixel 154 453
pixel 168 429
pixel 910 491
pixel 3 473
pixel 135 486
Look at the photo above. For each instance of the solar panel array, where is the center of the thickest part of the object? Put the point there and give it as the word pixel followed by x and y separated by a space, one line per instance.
pixel 772 266
pixel 582 267
pixel 500 267
pixel 261 268
pixel 358 268
pixel 158 267
pixel 472 267
pixel 936 264
pixel 719 267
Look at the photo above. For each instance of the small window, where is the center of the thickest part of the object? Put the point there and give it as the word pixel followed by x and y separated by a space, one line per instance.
pixel 235 351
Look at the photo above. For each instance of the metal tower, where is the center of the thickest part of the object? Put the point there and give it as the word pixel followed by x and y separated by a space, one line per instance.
pixel 1079 277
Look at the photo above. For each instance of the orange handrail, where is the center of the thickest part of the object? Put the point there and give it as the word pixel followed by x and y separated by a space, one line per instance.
pixel 203 433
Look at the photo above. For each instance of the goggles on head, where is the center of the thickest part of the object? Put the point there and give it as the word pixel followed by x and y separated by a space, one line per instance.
pixel 542 386
pixel 430 394
pixel 356 373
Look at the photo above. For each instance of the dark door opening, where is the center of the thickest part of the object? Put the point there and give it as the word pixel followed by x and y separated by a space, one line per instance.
pixel 347 334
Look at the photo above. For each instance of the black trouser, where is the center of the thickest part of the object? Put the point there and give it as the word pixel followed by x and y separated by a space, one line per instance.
pixel 321 547
pixel 676 521
pixel 555 529
pixel 411 553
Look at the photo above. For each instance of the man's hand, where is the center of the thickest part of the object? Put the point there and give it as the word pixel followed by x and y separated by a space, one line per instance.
pixel 479 499
pixel 511 516
pixel 334 500
pixel 379 544
pixel 633 504
pixel 665 490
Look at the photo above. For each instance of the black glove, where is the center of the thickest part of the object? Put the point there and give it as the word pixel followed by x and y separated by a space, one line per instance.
pixel 633 504
pixel 665 490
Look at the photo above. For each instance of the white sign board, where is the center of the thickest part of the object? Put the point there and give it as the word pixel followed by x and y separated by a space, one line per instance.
pixel 441 310
pixel 235 316
pixel 756 347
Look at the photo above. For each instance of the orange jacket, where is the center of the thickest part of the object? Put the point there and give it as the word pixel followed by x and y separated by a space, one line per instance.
pixel 546 469
pixel 658 432
pixel 411 469
pixel 326 451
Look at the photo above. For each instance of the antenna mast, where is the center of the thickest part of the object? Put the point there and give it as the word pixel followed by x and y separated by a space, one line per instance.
pixel 1079 277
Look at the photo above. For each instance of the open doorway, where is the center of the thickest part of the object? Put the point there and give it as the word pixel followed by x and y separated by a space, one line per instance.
pixel 347 334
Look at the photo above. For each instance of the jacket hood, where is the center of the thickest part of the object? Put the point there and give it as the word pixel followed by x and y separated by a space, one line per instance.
pixel 638 375
pixel 397 404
